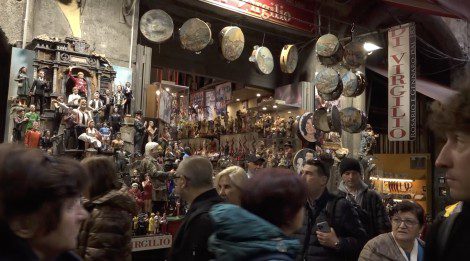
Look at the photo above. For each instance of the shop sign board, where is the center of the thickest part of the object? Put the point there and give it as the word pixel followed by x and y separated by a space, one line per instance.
pixel 402 83
pixel 151 242
pixel 274 11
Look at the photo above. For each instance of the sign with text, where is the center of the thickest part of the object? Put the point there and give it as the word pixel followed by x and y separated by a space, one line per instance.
pixel 275 11
pixel 151 242
pixel 402 83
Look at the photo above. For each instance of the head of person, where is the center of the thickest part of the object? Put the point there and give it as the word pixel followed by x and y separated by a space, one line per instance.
pixel 193 177
pixel 80 75
pixel 32 108
pixel 40 200
pixel 119 88
pixel 278 196
pixel 288 148
pixel 151 124
pixel 83 104
pixel 254 162
pixel 75 90
pixel 47 133
pixel 102 175
pixel 20 112
pixel 230 183
pixel 138 115
pixel 96 95
pixel 187 150
pixel 151 149
pixel 128 85
pixel 41 73
pixel 116 109
pixel 36 125
pixel 452 120
pixel 316 175
pixel 91 124
pixel 309 156
pixel 350 170
pixel 23 70
pixel 407 221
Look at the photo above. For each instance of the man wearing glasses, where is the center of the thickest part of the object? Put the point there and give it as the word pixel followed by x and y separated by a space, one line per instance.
pixel 331 229
pixel 193 183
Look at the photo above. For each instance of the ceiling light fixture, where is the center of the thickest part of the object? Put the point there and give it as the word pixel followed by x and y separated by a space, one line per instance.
pixel 238 99
pixel 167 89
pixel 264 108
pixel 157 92
pixel 370 47
pixel 181 96
pixel 258 95
pixel 275 106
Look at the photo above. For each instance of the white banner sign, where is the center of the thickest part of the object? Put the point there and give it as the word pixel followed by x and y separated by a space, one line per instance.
pixel 151 242
pixel 402 83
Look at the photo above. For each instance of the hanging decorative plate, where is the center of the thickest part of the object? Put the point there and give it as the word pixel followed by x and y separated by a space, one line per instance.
pixel 306 127
pixel 263 59
pixel 353 120
pixel 327 120
pixel 195 35
pixel 354 55
pixel 329 50
pixel 289 58
pixel 327 81
pixel 301 157
pixel 232 42
pixel 156 25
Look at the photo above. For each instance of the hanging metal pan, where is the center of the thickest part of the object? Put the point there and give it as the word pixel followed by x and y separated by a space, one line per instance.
pixel 263 59
pixel 156 25
pixel 289 58
pixel 329 50
pixel 354 55
pixel 232 42
pixel 195 35
pixel 327 81
pixel 352 120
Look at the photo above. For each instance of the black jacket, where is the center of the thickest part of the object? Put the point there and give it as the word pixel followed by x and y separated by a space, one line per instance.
pixel 39 87
pixel 379 222
pixel 345 222
pixel 14 248
pixel 190 242
pixel 452 244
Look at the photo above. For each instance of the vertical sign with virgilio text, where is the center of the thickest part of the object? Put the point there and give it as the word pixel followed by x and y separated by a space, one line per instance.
pixel 402 83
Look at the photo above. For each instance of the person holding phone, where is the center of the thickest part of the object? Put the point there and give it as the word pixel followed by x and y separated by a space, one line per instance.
pixel 331 229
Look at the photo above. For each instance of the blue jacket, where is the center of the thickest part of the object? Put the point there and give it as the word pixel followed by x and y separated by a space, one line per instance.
pixel 241 235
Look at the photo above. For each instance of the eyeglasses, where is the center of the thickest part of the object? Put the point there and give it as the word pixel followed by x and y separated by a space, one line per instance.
pixel 408 222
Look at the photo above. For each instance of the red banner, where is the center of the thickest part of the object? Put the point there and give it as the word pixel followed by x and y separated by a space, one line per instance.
pixel 274 11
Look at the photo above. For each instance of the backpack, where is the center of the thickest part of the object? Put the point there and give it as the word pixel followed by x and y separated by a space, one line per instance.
pixel 363 215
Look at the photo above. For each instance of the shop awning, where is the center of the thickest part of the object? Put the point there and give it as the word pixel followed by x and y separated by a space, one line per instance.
pixel 448 8
pixel 431 89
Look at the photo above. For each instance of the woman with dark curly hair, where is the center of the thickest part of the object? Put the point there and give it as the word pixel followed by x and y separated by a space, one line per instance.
pixel 40 205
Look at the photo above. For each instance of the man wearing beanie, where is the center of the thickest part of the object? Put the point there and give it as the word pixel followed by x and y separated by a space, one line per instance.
pixel 368 201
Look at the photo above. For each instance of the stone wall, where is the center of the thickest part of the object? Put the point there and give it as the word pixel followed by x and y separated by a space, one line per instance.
pixel 102 23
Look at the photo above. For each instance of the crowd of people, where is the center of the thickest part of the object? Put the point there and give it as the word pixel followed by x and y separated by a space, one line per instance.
pixel 61 209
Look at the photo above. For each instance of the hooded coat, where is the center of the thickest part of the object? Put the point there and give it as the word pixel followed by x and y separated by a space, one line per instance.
pixel 106 234
pixel 241 235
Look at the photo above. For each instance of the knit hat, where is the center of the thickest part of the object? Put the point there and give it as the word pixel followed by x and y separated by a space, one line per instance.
pixel 349 164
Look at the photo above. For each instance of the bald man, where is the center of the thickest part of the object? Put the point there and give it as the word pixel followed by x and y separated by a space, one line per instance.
pixel 193 183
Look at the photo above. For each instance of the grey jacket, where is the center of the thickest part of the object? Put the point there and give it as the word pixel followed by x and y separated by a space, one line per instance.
pixel 382 248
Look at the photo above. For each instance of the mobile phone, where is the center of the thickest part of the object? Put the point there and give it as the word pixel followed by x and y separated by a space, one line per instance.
pixel 324 227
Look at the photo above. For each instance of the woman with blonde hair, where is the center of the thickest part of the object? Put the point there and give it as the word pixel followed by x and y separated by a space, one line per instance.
pixel 230 183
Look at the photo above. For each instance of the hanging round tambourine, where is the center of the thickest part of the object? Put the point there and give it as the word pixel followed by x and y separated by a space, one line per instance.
pixel 354 55
pixel 263 59
pixel 327 120
pixel 289 58
pixel 353 120
pixel 232 42
pixel 306 129
pixel 195 35
pixel 329 50
pixel 354 84
pixel 301 157
pixel 156 25
pixel 328 81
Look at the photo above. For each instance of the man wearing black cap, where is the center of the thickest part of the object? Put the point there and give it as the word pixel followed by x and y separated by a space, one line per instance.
pixel 369 203
pixel 331 229
pixel 253 163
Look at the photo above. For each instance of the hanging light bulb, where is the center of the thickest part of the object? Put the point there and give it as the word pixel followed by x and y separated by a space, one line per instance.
pixel 157 92
pixel 370 47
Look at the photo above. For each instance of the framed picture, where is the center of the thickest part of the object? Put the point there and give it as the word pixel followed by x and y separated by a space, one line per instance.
pixel 164 108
